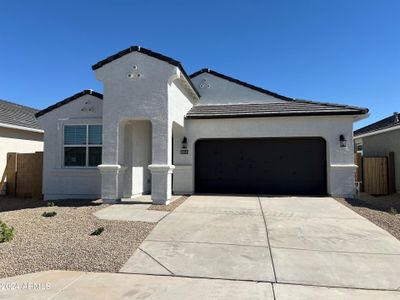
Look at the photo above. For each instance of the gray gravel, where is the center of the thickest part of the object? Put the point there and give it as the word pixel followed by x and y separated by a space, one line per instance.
pixel 169 207
pixel 375 213
pixel 63 242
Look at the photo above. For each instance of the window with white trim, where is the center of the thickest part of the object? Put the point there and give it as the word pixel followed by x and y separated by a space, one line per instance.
pixel 82 145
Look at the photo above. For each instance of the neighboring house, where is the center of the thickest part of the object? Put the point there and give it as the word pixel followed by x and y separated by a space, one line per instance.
pixel 157 130
pixel 19 131
pixel 380 138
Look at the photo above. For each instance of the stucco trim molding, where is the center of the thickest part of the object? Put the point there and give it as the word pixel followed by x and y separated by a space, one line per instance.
pixel 110 169
pixel 344 166
pixel 159 168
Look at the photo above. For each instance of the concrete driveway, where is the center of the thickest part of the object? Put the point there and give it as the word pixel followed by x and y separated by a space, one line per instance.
pixel 296 245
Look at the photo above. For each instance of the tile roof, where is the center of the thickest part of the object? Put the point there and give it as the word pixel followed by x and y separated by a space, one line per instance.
pixel 18 115
pixel 275 109
pixel 291 106
pixel 386 123
pixel 68 100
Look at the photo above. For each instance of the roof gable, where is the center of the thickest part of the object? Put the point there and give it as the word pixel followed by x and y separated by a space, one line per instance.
pixel 239 82
pixel 150 53
pixel 68 100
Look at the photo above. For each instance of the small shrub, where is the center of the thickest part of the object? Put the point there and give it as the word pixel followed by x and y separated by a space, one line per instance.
pixel 50 204
pixel 49 214
pixel 98 231
pixel 393 211
pixel 6 232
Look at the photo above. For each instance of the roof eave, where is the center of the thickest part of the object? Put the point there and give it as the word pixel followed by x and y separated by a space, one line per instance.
pixel 5 125
pixel 379 131
pixel 235 116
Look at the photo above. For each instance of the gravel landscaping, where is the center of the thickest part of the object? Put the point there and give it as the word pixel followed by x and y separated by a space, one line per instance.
pixel 377 211
pixel 169 207
pixel 63 242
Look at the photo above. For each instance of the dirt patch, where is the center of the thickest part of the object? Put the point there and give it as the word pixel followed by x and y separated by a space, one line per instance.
pixel 63 242
pixel 169 207
pixel 378 214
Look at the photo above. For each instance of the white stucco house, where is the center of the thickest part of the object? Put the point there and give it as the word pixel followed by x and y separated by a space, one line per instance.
pixel 19 132
pixel 158 131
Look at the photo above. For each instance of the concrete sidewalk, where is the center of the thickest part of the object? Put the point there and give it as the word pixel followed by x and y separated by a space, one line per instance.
pixel 133 209
pixel 62 285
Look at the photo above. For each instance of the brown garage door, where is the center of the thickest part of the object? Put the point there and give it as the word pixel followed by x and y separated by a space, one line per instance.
pixel 286 166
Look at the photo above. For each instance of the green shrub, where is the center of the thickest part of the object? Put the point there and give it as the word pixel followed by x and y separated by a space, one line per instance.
pixel 393 211
pixel 49 214
pixel 50 204
pixel 98 231
pixel 6 232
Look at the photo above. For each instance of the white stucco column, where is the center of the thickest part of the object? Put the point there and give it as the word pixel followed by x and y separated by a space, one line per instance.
pixel 161 168
pixel 111 170
pixel 161 183
pixel 111 182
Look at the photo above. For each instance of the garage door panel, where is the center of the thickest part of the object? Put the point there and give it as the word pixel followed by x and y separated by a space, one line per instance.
pixel 270 166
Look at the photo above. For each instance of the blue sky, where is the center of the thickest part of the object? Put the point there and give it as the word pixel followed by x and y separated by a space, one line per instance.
pixel 343 51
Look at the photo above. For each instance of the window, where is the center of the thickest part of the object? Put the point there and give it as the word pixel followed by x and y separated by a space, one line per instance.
pixel 82 145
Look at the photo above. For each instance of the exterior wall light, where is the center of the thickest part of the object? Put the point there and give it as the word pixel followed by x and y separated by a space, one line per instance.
pixel 184 143
pixel 184 149
pixel 343 141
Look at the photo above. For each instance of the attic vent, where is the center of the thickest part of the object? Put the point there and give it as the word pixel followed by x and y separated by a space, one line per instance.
pixel 205 84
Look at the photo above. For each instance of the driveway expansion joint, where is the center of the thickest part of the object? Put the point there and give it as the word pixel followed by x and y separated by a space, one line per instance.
pixel 200 277
pixel 269 244
pixel 336 286
pixel 149 255
pixel 66 286
pixel 206 243
pixel 335 251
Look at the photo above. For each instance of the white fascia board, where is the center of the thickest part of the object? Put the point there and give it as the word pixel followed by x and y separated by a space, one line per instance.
pixel 21 128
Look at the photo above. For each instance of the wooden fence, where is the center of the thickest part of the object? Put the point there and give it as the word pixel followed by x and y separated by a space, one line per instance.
pixel 376 174
pixel 23 175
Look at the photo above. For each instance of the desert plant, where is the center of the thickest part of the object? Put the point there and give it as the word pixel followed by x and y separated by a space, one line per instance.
pixel 393 211
pixel 49 214
pixel 98 231
pixel 6 232
pixel 50 204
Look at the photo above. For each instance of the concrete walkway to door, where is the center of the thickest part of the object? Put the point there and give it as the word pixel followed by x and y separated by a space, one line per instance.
pixel 298 244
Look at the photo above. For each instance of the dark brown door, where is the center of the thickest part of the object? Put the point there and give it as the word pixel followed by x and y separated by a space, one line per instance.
pixel 285 166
